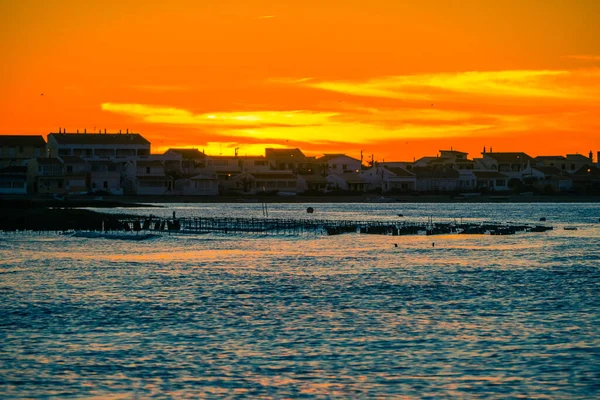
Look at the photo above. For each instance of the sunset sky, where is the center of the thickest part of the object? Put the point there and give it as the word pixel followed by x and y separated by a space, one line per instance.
pixel 395 78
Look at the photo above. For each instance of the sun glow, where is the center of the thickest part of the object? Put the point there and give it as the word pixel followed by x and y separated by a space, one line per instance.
pixel 194 73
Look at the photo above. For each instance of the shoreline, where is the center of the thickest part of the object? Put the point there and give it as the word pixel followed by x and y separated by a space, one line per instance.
pixel 24 201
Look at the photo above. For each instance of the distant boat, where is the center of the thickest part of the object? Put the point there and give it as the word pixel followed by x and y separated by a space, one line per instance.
pixel 570 228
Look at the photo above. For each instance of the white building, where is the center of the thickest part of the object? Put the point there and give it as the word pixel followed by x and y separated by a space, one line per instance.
pixel 105 176
pixel 351 182
pixel 339 164
pixel 150 178
pixel 511 164
pixel 94 146
pixel 388 179
pixel 198 185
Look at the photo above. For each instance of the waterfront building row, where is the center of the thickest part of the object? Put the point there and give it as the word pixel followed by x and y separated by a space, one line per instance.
pixel 122 163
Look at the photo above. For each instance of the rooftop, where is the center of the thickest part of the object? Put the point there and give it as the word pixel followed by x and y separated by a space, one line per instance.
pixel 99 138
pixel 542 158
pixel 400 171
pixel 270 152
pixel 188 154
pixel 327 157
pixel 516 157
pixel 22 140
pixel 435 173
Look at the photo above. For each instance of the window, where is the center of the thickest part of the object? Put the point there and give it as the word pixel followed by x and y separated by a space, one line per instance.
pixel 572 166
pixel 563 166
pixel 69 168
pixel 21 149
pixel 147 170
pixel 105 185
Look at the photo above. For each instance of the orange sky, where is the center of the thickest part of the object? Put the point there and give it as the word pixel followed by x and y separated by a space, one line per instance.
pixel 396 78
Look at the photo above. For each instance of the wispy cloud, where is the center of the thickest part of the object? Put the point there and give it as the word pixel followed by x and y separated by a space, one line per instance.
pixel 310 126
pixel 507 84
pixel 177 116
pixel 379 111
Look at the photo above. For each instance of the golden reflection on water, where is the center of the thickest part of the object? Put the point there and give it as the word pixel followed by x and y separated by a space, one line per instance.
pixel 343 316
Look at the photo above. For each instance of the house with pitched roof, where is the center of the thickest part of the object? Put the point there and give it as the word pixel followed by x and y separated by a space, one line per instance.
pixel 314 183
pixel 338 164
pixel 388 179
pixel 458 160
pixel 570 163
pixel 542 177
pixel 184 162
pixel 587 178
pixel 511 164
pixel 16 150
pixel 351 182
pixel 290 159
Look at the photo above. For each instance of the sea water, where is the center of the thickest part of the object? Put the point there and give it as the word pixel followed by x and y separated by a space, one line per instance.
pixel 346 316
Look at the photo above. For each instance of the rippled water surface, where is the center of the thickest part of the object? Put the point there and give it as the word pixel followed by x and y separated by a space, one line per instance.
pixel 307 316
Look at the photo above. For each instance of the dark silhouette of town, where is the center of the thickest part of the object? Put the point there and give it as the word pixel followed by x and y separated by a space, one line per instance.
pixel 121 164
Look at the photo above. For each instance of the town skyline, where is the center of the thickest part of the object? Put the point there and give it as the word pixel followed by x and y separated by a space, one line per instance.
pixel 393 79
pixel 365 154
